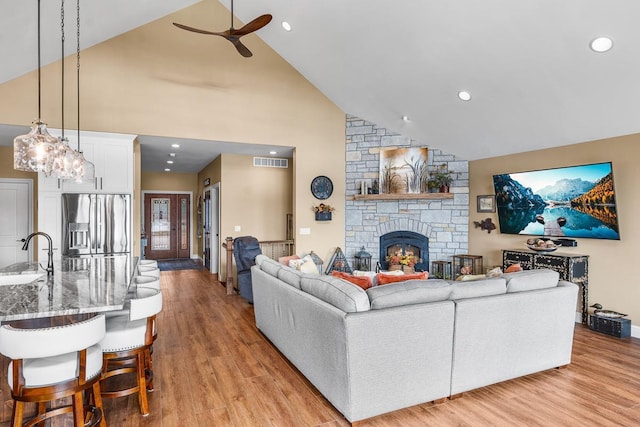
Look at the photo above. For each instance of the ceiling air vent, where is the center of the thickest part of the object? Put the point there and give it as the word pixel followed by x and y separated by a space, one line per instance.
pixel 270 162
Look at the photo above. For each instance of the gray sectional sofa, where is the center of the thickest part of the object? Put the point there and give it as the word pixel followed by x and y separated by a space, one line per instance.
pixel 402 344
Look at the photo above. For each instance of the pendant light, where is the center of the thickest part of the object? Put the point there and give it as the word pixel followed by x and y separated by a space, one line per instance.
pixel 68 162
pixel 87 169
pixel 36 151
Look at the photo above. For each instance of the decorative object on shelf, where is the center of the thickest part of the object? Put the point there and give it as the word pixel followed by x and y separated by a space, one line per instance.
pixel 321 187
pixel 323 212
pixel 207 182
pixel 541 245
pixel 441 270
pixel 443 180
pixel 467 264
pixel 362 260
pixel 485 224
pixel 404 170
pixel 486 203
pixel 338 262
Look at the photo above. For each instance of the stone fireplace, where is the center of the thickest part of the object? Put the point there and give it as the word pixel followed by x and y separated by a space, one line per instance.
pixel 442 224
pixel 405 243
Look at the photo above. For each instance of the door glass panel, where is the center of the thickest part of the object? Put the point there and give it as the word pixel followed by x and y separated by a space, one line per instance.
pixel 184 231
pixel 160 224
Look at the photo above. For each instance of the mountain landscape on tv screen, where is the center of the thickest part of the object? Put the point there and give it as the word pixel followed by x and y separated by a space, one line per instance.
pixel 565 207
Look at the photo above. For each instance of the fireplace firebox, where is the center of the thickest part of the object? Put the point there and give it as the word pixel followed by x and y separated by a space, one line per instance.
pixel 405 243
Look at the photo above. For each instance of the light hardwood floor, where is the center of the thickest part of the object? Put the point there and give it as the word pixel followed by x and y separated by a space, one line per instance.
pixel 214 368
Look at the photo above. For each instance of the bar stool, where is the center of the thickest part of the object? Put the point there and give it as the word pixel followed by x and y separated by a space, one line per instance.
pixel 53 363
pixel 127 342
pixel 148 262
pixel 147 282
pixel 149 271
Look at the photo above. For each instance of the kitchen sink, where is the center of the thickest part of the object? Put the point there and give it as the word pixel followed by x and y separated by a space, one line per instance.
pixel 21 279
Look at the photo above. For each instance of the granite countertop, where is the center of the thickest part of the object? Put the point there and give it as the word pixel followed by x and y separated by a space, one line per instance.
pixel 78 286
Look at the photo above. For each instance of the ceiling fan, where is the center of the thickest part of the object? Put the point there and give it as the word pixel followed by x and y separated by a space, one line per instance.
pixel 232 34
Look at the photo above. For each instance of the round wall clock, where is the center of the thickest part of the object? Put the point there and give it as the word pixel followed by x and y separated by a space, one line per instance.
pixel 321 187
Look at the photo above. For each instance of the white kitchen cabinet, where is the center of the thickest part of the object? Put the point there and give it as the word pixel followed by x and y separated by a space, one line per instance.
pixel 112 157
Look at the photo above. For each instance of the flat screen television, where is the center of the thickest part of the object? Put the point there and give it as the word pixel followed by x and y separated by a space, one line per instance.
pixel 570 202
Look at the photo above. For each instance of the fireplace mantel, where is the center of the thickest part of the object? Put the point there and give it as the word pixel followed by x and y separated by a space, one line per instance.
pixel 402 196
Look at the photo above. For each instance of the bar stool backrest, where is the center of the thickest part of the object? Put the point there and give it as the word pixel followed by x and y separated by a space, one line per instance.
pixel 18 343
pixel 147 303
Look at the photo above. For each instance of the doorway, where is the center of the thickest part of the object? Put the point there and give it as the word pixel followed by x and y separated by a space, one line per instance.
pixel 16 219
pixel 167 225
pixel 211 241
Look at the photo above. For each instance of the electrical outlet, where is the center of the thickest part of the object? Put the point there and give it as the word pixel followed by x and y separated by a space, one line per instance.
pixel 305 231
pixel 237 228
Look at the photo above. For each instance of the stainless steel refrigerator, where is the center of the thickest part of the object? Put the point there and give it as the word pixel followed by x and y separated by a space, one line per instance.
pixel 96 224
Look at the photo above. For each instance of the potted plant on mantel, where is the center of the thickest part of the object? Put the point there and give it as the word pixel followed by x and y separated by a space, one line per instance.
pixel 443 180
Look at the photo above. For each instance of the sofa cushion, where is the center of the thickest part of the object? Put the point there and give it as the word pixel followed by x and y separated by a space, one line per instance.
pixel 478 288
pixel 409 292
pixel 290 276
pixel 383 279
pixel 513 268
pixel 528 280
pixel 363 281
pixel 260 259
pixel 339 293
pixel 270 266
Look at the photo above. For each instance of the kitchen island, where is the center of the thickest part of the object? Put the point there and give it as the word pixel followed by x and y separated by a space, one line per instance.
pixel 78 286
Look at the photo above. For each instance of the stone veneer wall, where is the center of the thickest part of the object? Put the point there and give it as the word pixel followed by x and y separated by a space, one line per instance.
pixel 444 221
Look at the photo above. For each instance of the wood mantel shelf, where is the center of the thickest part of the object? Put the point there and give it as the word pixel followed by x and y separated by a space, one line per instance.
pixel 413 196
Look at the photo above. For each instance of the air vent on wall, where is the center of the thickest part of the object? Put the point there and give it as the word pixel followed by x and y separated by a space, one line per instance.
pixel 270 162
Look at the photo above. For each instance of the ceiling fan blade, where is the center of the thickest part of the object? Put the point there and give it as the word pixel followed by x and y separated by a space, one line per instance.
pixel 242 49
pixel 252 26
pixel 196 30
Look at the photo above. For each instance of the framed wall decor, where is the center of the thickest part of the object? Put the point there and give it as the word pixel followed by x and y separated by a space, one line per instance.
pixel 487 203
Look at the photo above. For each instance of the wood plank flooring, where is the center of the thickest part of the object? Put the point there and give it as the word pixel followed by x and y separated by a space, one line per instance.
pixel 214 368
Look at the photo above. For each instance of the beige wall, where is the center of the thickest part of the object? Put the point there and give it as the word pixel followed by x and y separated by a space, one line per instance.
pixel 611 263
pixel 159 80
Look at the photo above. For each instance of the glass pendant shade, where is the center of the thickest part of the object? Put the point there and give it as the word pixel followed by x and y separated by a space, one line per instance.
pixel 35 151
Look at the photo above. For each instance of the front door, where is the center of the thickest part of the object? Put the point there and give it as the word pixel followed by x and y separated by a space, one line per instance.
pixel 167 226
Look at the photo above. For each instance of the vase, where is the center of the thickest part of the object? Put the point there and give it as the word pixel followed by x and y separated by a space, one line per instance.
pixel 395 267
pixel 408 270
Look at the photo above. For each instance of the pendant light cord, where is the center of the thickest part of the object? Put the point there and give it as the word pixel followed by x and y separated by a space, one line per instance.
pixel 39 77
pixel 62 38
pixel 78 66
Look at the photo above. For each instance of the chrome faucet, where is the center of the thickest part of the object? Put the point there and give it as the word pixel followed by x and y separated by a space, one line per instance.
pixel 49 251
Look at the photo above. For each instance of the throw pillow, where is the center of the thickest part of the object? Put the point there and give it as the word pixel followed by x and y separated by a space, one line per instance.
pixel 285 259
pixel 363 281
pixel 309 267
pixel 384 279
pixel 513 267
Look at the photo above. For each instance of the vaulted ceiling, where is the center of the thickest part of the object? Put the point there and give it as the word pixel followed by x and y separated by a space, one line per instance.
pixel 533 79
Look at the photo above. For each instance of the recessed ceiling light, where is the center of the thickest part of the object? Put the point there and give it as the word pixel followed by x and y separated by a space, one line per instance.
pixel 167 170
pixel 464 95
pixel 273 152
pixel 601 44
pixel 286 26
pixel 405 118
pixel 175 145
pixel 170 162
pixel 172 154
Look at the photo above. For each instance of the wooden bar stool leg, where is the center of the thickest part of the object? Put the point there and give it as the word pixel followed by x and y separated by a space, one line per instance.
pixel 142 384
pixel 18 413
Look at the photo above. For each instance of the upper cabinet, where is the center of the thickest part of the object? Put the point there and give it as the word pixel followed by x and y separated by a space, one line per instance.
pixel 112 157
